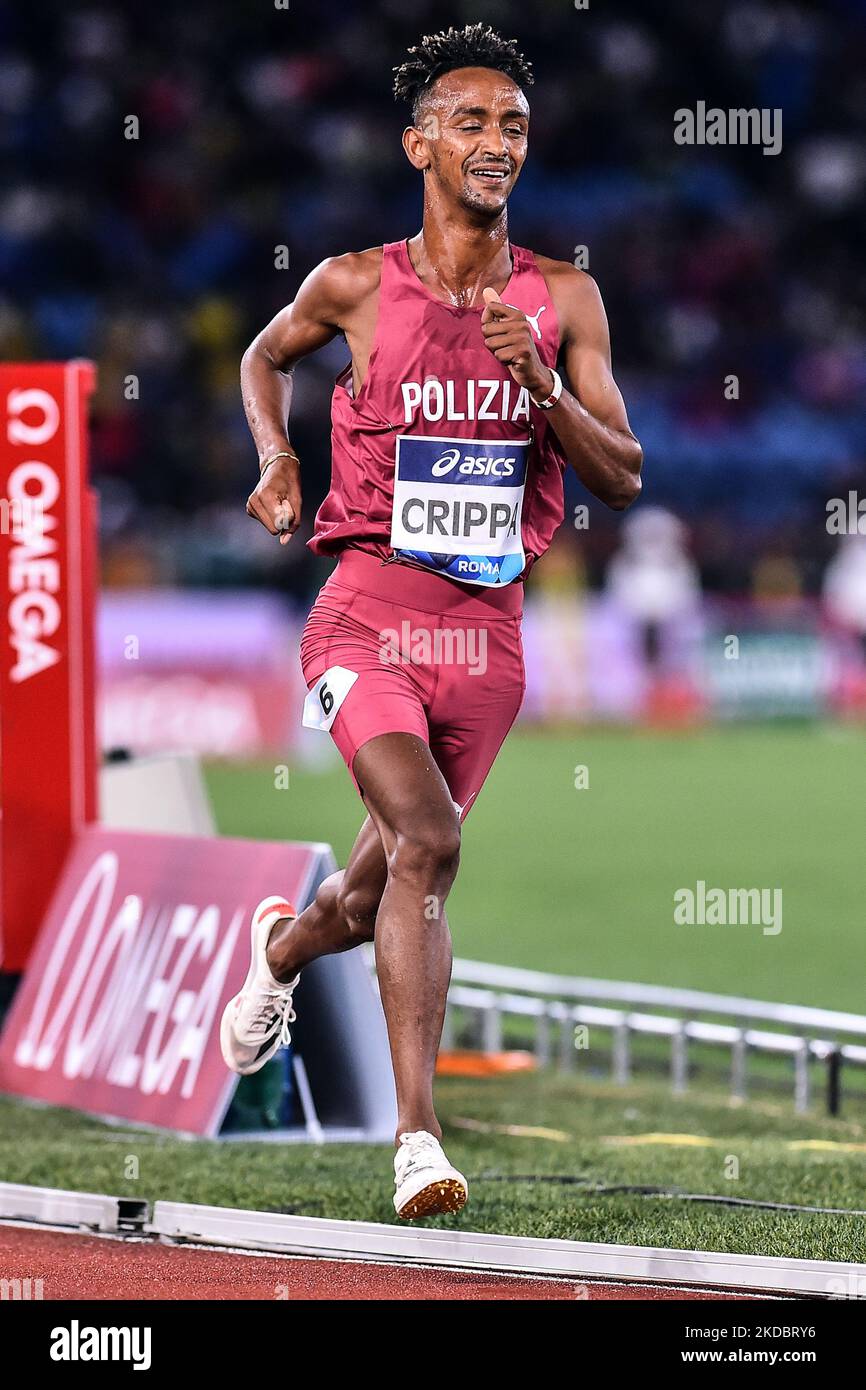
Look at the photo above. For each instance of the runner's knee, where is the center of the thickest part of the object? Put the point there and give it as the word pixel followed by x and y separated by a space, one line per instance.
pixel 427 850
pixel 358 905
pixel 341 898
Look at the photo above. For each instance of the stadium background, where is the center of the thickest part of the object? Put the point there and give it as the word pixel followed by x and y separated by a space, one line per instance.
pixel 260 129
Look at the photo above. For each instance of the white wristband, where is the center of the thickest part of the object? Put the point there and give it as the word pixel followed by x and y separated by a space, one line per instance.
pixel 550 401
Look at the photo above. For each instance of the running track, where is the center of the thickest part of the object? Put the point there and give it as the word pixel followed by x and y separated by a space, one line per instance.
pixel 73 1266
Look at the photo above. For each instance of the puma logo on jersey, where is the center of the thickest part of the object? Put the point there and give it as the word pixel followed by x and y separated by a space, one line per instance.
pixel 533 319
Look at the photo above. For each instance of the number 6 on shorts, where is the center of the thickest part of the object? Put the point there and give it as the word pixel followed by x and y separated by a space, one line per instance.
pixel 326 696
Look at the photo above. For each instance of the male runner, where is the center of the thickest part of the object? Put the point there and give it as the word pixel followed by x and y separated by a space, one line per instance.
pixel 451 430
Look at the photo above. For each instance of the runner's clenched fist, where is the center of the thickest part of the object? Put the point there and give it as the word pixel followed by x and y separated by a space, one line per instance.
pixel 276 502
pixel 508 335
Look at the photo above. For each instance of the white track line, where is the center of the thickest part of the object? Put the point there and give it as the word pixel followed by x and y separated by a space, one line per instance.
pixel 476 1250
pixel 371 1242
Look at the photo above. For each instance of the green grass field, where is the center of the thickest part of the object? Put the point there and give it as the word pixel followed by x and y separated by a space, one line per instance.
pixel 582 882
pixel 744 1152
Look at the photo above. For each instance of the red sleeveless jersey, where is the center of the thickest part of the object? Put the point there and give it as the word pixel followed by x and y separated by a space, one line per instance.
pixel 442 459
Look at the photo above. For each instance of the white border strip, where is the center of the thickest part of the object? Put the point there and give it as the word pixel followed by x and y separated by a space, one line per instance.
pixel 73 481
pixel 301 1235
pixel 19 1202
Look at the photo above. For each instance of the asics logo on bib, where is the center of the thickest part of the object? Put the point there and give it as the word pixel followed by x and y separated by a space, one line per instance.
pixel 477 465
pixel 457 509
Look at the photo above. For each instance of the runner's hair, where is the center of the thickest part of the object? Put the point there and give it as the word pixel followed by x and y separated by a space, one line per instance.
pixel 475 46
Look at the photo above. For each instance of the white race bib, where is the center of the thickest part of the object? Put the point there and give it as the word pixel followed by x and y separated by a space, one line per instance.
pixel 458 505
pixel 326 697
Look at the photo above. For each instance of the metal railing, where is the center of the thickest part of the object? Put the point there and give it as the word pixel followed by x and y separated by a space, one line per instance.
pixel 559 1004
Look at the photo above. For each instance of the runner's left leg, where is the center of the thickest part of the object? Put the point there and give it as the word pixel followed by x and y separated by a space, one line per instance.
pixel 409 801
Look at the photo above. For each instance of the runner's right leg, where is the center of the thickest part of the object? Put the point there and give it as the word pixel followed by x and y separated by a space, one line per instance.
pixel 255 1022
pixel 400 891
pixel 342 914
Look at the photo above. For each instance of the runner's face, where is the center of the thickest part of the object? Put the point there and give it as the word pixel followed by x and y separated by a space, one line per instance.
pixel 475 123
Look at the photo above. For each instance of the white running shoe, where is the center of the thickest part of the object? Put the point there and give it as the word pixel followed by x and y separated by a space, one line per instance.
pixel 425 1181
pixel 255 1024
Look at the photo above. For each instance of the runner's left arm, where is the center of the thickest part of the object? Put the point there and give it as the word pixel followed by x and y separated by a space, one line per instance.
pixel 589 418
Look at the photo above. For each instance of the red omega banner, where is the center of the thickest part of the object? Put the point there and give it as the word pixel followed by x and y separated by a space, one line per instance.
pixel 144 942
pixel 47 578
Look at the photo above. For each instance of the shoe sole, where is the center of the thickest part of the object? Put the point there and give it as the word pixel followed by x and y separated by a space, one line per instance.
pixel 442 1195
pixel 228 1012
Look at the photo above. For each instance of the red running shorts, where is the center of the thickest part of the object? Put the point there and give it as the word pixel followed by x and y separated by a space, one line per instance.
pixel 389 648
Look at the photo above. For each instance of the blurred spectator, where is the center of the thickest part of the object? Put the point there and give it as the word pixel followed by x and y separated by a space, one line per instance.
pixel 845 586
pixel 652 578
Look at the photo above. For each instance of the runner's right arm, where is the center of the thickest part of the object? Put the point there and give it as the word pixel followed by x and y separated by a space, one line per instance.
pixel 315 316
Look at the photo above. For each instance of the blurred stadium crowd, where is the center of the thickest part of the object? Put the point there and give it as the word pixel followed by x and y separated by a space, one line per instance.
pixel 260 127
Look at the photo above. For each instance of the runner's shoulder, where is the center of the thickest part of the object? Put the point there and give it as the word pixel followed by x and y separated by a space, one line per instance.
pixel 575 293
pixel 341 283
pixel 565 276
